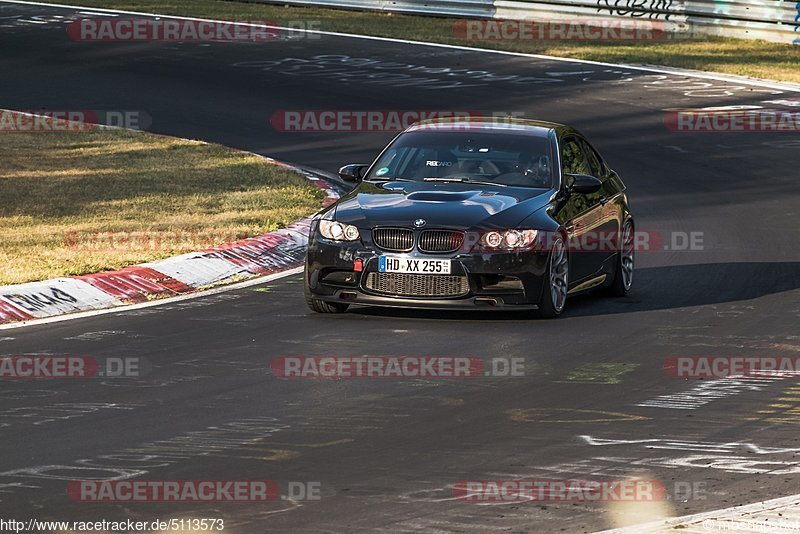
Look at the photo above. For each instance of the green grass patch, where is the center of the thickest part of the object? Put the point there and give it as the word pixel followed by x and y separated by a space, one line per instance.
pixel 759 59
pixel 72 200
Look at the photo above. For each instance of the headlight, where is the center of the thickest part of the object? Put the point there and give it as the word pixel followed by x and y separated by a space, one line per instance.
pixel 508 239
pixel 337 231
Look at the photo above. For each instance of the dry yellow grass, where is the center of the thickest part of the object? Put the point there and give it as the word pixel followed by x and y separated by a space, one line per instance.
pixel 59 190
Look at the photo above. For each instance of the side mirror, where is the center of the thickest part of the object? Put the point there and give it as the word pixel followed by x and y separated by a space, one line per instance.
pixel 584 184
pixel 352 172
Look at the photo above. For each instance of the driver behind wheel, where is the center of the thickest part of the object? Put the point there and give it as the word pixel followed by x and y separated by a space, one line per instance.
pixel 529 170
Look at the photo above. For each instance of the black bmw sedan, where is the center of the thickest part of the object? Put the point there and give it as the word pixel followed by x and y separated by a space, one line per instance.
pixel 474 214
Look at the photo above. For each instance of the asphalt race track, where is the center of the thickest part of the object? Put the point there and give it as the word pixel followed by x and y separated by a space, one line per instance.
pixel 386 453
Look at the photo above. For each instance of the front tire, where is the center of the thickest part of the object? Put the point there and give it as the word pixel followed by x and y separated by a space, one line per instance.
pixel 317 305
pixel 554 292
pixel 320 306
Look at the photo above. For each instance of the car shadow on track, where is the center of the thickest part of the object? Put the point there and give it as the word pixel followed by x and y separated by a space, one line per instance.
pixel 682 286
pixel 655 288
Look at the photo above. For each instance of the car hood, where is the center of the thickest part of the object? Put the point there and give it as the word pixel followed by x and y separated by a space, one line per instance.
pixel 442 205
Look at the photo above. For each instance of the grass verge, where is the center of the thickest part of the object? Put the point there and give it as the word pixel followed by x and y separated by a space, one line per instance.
pixel 759 59
pixel 85 201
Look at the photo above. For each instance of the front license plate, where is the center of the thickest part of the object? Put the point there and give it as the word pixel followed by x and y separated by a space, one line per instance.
pixel 392 264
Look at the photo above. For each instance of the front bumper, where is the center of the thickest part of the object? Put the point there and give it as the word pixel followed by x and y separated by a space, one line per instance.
pixel 508 280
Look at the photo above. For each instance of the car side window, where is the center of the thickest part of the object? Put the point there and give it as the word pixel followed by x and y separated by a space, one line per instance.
pixel 573 159
pixel 594 161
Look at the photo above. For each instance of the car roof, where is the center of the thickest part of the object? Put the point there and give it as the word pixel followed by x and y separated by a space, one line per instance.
pixel 489 124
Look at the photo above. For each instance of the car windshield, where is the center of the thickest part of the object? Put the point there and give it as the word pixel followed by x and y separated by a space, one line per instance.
pixel 501 159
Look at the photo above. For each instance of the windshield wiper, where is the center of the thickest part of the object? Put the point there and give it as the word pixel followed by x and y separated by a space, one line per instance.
pixel 396 179
pixel 462 181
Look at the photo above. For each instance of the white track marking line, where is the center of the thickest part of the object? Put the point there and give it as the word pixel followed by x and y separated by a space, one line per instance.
pixel 122 309
pixel 734 512
pixel 784 86
pixel 98 14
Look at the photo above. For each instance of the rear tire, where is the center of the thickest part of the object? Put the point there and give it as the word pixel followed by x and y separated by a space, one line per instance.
pixel 556 283
pixel 317 305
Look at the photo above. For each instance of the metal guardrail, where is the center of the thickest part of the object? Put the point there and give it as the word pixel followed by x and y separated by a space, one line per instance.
pixel 771 20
